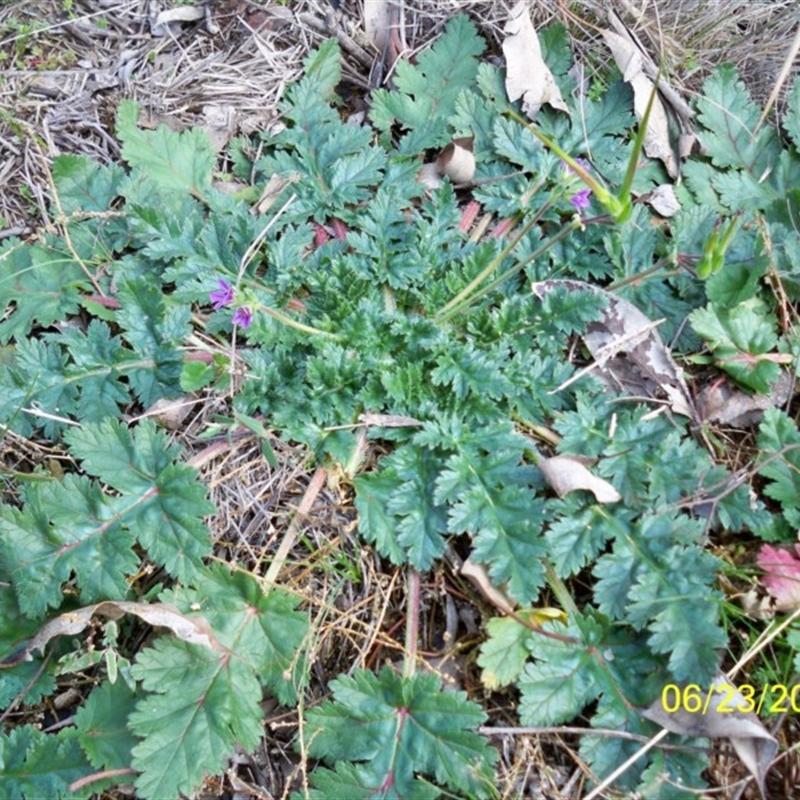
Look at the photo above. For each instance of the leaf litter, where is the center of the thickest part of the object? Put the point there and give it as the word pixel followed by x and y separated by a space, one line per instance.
pixel 629 354
pixel 180 100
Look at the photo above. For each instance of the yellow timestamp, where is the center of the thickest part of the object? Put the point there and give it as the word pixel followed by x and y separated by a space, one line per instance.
pixel 725 698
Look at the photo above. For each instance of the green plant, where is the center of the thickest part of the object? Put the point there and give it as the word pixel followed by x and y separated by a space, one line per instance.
pixel 363 296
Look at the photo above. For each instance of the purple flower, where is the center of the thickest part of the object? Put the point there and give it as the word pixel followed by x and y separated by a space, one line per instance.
pixel 581 199
pixel 243 316
pixel 222 296
pixel 579 161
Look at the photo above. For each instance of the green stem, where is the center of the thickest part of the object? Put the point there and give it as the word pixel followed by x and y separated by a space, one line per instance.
pixel 463 297
pixel 658 266
pixel 559 589
pixel 293 323
pixel 573 225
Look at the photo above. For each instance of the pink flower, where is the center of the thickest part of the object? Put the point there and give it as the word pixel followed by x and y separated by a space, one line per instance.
pixel 579 161
pixel 222 296
pixel 243 316
pixel 581 199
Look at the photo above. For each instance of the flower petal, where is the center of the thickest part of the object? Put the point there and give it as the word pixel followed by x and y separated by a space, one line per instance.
pixel 581 199
pixel 243 316
pixel 222 296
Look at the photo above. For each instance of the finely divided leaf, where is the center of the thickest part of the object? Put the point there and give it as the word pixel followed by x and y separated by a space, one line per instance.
pixel 577 536
pixel 560 683
pixel 308 100
pixel 507 524
pixel 400 514
pixel 427 91
pixel 504 653
pixel 606 753
pixel 375 523
pixel 490 498
pixel 791 120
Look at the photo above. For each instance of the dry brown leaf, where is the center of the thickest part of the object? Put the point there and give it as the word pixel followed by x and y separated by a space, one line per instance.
pixel 477 575
pixel 753 743
pixel 566 474
pixel 170 413
pixel 646 366
pixel 670 95
pixel 757 606
pixel 457 160
pixel 160 26
pixel 527 75
pixel 220 124
pixel 429 175
pixel 194 630
pixel 723 403
pixel 663 200
pixel 628 58
pixel 273 190
pixel 377 22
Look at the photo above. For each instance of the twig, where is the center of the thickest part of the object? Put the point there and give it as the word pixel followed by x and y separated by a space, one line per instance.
pixel 100 776
pixel 412 623
pixel 289 539
pixel 786 70
pixel 566 730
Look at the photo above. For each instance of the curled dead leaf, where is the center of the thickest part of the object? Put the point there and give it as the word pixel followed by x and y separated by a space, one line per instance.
pixel 457 160
pixel 220 123
pixel 647 365
pixel 527 75
pixel 721 714
pixel 194 630
pixel 629 59
pixel 429 175
pixel 273 190
pixel 723 403
pixel 170 413
pixel 477 575
pixel 389 420
pixel 663 200
pixel 160 25
pixel 377 22
pixel 567 474
pixel 757 606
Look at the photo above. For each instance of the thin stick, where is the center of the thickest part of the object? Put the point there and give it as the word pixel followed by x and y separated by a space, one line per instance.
pixel 782 78
pixel 601 787
pixel 289 539
pixel 412 623
pixel 566 730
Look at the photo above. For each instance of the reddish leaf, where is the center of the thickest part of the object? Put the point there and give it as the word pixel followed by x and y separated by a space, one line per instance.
pixel 781 575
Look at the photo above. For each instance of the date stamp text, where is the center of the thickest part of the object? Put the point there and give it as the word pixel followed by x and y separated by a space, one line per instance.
pixel 724 698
